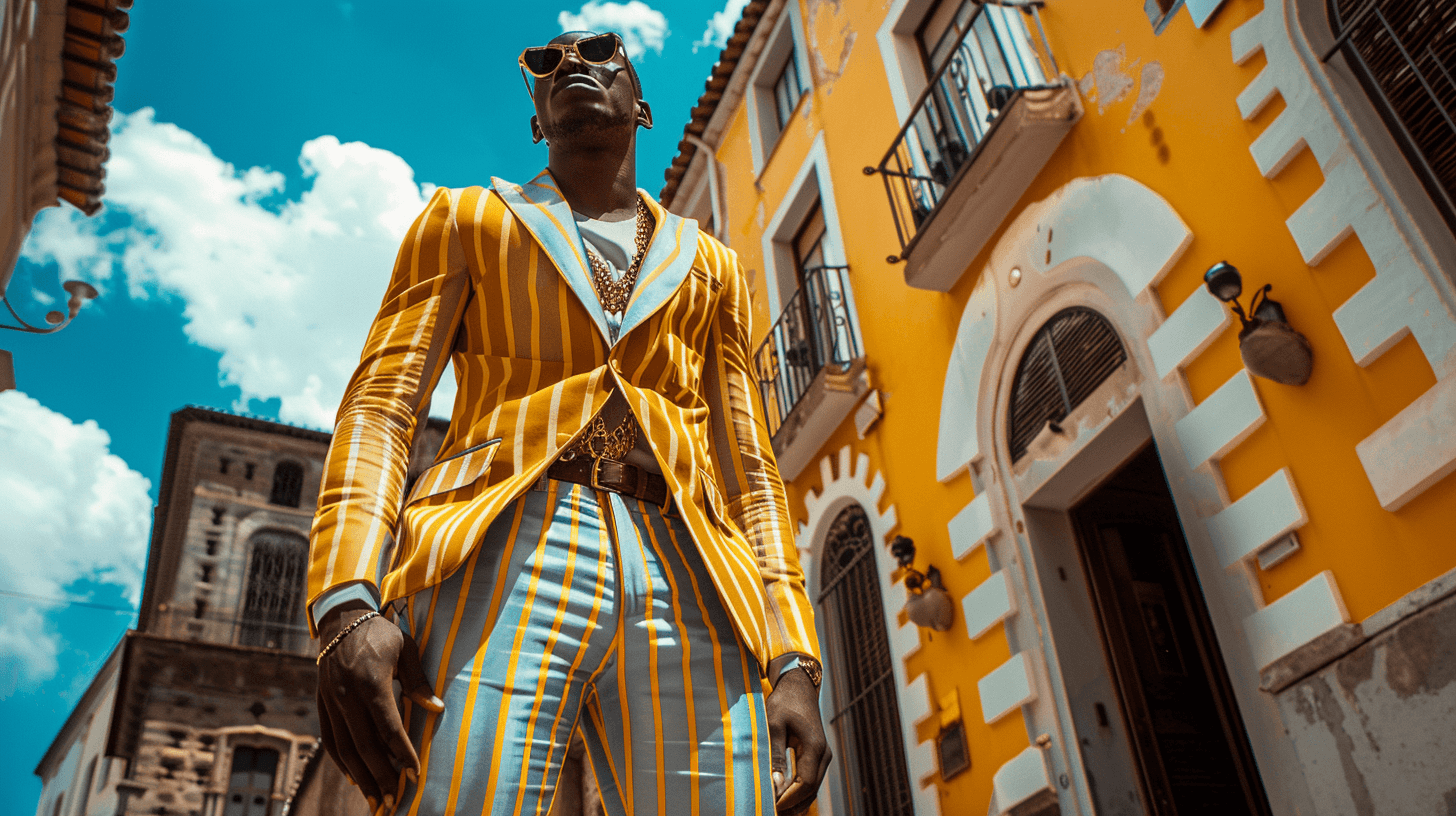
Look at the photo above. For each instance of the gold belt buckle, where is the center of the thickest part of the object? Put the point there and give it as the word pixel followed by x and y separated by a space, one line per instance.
pixel 596 467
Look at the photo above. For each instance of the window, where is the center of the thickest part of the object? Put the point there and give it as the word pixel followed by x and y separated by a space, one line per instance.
pixel 273 603
pixel 776 85
pixel 1160 12
pixel 250 785
pixel 1404 54
pixel 1076 351
pixel 86 791
pixel 287 484
pixel 866 718
pixel 786 91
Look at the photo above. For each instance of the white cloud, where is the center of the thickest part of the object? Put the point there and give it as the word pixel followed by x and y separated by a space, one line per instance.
pixel 71 511
pixel 285 289
pixel 721 25
pixel 642 27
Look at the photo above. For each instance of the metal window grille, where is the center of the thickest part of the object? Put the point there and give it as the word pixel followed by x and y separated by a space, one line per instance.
pixel 866 709
pixel 287 484
pixel 994 61
pixel 250 784
pixel 1067 359
pixel 1404 54
pixel 815 333
pixel 273 603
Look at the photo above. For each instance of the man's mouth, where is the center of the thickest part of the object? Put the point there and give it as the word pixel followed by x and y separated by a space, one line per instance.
pixel 575 81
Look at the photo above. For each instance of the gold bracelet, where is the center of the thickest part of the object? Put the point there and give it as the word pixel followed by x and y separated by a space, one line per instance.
pixel 340 636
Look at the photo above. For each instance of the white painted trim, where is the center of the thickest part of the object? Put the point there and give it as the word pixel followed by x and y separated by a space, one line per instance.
pixel 759 92
pixel 1221 421
pixel 988 604
pixel 1006 688
pixel 1415 449
pixel 1201 10
pixel 1019 779
pixel 857 484
pixel 1366 192
pixel 1303 614
pixel 811 183
pixel 1188 332
pixel 1085 218
pixel 1262 515
pixel 972 526
pixel 901 53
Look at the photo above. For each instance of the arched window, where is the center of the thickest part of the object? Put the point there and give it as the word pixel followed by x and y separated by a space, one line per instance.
pixel 273 600
pixel 287 484
pixel 866 709
pixel 1404 54
pixel 1064 363
pixel 250 784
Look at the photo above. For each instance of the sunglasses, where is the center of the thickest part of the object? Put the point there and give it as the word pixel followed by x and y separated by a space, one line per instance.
pixel 542 62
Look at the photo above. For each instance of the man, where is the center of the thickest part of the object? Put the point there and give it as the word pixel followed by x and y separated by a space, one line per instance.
pixel 603 544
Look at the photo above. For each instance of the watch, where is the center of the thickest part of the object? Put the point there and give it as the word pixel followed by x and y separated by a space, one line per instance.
pixel 810 666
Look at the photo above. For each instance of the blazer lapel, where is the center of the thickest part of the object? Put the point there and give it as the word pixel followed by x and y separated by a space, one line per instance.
pixel 546 215
pixel 669 257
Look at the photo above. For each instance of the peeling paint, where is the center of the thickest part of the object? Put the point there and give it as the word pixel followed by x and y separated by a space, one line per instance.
pixel 834 36
pixel 1107 82
pixel 1149 83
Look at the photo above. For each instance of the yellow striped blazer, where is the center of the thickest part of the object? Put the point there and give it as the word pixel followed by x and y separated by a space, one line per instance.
pixel 496 280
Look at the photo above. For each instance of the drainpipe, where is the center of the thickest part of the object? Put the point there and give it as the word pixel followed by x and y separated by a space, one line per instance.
pixel 715 187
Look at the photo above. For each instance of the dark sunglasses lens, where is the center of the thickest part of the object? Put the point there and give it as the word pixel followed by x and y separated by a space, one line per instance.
pixel 542 61
pixel 597 49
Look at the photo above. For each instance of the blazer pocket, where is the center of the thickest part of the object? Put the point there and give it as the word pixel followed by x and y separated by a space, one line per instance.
pixel 455 472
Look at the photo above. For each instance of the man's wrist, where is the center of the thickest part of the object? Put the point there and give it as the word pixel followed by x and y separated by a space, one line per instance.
pixel 340 616
pixel 796 660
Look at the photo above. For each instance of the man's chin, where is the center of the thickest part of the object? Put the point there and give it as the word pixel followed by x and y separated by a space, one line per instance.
pixel 588 125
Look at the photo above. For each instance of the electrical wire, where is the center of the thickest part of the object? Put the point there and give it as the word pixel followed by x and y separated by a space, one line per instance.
pixel 68 601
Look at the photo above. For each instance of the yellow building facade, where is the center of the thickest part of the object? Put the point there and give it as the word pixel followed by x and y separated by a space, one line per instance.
pixel 978 237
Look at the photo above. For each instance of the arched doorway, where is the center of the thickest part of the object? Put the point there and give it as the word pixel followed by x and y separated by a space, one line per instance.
pixel 866 713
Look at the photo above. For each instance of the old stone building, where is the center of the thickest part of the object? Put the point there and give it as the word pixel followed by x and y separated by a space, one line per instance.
pixel 207 707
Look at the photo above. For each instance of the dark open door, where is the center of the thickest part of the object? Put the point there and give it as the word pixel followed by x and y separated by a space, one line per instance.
pixel 1188 740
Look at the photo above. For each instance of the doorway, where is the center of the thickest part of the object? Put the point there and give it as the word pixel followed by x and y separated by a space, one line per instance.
pixel 1187 741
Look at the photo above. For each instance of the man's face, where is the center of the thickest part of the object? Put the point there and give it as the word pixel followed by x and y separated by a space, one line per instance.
pixel 582 99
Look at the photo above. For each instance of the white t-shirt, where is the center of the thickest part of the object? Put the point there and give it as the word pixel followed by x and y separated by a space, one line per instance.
pixel 613 241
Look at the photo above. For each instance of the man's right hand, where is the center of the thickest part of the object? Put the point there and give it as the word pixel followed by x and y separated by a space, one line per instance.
pixel 361 724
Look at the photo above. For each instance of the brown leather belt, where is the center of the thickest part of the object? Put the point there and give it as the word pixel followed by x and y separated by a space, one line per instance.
pixel 610 474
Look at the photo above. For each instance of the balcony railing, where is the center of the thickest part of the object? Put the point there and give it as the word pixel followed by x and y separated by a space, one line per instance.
pixel 815 333
pixel 992 65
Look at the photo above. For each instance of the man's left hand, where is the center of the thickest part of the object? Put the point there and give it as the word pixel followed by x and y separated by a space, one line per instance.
pixel 794 722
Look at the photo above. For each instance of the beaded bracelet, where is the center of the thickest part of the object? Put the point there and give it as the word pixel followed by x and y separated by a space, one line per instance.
pixel 342 632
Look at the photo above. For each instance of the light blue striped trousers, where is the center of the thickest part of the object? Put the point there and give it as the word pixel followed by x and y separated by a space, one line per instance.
pixel 580 610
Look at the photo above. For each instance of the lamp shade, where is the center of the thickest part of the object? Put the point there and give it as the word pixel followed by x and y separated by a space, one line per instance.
pixel 1223 281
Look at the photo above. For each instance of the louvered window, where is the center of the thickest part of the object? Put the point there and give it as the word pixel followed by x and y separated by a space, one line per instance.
pixel 1067 359
pixel 866 710
pixel 1404 53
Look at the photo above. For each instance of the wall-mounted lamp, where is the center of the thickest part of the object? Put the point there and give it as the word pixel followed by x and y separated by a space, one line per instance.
pixel 929 605
pixel 1271 348
pixel 80 292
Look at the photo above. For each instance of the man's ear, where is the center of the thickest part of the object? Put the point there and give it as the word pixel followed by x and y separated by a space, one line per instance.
pixel 536 134
pixel 644 114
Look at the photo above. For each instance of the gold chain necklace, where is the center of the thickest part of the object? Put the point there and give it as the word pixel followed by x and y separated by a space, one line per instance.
pixel 614 294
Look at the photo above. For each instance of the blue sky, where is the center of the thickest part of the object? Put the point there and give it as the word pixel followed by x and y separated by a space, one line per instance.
pixel 265 159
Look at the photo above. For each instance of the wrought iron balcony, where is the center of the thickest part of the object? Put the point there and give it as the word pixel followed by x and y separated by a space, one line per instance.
pixel 987 122
pixel 810 367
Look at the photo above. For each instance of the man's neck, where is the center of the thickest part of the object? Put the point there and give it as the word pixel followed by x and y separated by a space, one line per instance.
pixel 598 182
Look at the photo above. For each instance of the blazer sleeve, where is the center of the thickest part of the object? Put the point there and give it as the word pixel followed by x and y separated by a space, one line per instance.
pixel 744 459
pixel 404 356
